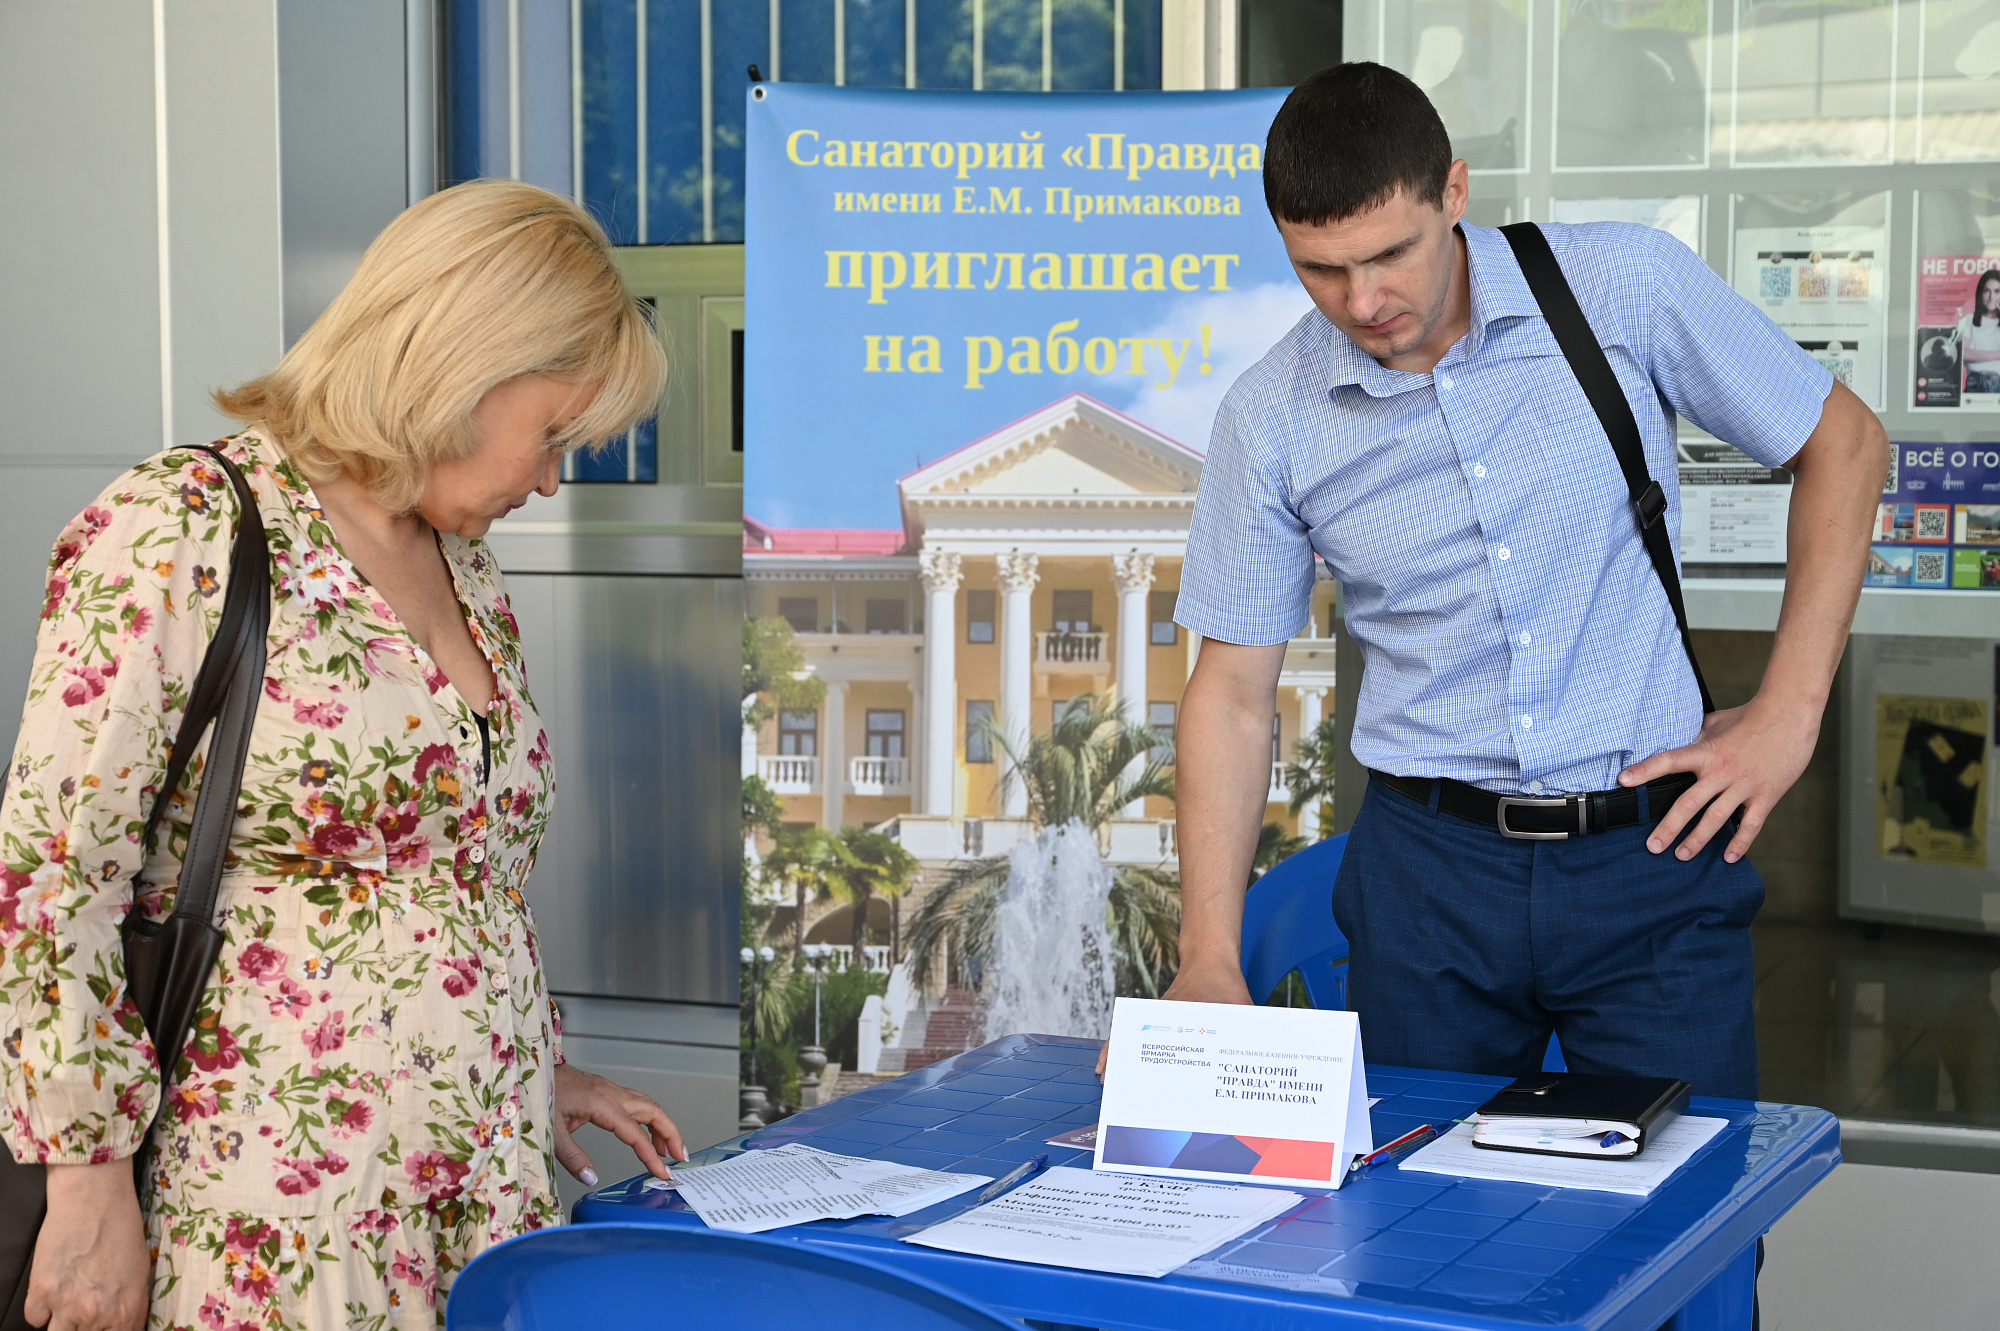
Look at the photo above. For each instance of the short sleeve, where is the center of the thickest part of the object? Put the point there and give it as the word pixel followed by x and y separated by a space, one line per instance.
pixel 128 609
pixel 1722 363
pixel 1248 575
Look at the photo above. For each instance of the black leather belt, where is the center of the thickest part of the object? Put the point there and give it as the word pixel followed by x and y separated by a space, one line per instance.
pixel 1539 818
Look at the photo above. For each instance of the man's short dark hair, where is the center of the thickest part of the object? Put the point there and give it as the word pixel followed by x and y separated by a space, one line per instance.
pixel 1347 140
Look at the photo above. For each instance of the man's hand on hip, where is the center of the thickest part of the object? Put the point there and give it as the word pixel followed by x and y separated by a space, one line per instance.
pixel 1746 758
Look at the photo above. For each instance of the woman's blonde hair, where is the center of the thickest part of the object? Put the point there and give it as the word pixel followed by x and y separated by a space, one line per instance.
pixel 476 285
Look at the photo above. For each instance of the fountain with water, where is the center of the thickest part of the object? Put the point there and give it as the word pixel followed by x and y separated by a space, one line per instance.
pixel 1053 972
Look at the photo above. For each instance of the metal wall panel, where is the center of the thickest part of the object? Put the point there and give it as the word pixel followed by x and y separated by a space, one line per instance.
pixel 637 886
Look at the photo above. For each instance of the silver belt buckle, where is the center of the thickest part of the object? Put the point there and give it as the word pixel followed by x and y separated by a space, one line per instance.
pixel 1523 801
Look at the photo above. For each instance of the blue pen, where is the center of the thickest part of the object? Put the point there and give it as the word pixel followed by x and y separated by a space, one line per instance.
pixel 1012 1176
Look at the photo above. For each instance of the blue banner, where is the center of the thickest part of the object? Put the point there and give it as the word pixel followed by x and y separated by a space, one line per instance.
pixel 926 267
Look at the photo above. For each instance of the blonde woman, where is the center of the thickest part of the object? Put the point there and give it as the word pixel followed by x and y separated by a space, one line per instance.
pixel 375 1090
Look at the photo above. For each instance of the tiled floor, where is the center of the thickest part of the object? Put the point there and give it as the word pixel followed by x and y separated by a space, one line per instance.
pixel 1903 1026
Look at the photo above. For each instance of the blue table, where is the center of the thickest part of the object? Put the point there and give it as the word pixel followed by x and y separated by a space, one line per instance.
pixel 1392 1248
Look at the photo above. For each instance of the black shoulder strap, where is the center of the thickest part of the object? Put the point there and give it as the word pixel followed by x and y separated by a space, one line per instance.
pixel 1593 372
pixel 226 690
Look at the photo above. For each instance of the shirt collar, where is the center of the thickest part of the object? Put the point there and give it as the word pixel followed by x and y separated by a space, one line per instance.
pixel 1499 291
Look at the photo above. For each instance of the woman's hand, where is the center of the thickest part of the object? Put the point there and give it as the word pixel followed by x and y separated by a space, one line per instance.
pixel 583 1097
pixel 92 1271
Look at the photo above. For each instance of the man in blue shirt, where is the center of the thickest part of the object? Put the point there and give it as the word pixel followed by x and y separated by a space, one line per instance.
pixel 1422 433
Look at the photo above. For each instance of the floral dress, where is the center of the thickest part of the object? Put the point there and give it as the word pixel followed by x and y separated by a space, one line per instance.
pixel 365 1103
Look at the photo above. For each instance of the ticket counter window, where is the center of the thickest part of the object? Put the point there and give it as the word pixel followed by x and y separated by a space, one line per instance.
pixel 798 734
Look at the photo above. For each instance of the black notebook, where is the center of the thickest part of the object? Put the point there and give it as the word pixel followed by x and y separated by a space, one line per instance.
pixel 1574 1114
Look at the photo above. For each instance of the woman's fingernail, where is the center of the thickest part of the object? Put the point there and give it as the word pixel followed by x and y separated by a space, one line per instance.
pixel 589 1177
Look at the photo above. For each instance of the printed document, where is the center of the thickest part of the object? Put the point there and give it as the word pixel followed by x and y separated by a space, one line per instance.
pixel 1221 1091
pixel 1636 1176
pixel 791 1184
pixel 1116 1223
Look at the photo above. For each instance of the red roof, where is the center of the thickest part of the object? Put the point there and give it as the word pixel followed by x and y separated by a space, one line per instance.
pixel 759 539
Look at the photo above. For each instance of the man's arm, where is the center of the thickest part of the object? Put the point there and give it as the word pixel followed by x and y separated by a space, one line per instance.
pixel 1749 756
pixel 1222 770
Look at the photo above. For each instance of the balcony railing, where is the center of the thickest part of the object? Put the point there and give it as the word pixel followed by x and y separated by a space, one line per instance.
pixel 1071 653
pixel 789 775
pixel 878 776
pixel 1280 793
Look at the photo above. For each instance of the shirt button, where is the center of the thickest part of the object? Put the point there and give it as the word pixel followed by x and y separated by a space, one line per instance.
pixel 507 1110
pixel 1527 638
pixel 499 981
pixel 1527 722
pixel 1444 381
pixel 477 855
pixel 1504 555
pixel 1479 469
pixel 1535 786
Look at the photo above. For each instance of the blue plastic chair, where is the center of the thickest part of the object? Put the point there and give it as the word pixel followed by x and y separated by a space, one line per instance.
pixel 1288 926
pixel 593 1277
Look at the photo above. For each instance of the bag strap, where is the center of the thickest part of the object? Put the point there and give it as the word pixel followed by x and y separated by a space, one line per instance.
pixel 226 690
pixel 1594 374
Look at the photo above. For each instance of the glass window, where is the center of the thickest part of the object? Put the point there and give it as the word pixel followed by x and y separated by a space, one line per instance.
pixel 1163 631
pixel 1956 92
pixel 662 136
pixel 885 734
pixel 1632 85
pixel 801 612
pixel 979 616
pixel 1814 82
pixel 888 616
pixel 1471 58
pixel 1160 718
pixel 1062 709
pixel 978 731
pixel 1279 43
pixel 798 734
pixel 1072 611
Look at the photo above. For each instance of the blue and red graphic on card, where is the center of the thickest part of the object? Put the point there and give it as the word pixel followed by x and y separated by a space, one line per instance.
pixel 1939 523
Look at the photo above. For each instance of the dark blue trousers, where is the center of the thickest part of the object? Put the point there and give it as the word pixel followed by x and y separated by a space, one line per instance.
pixel 1469 948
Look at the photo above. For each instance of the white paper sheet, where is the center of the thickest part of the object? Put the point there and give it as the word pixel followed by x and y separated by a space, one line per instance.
pixel 1118 1223
pixel 1637 1176
pixel 792 1184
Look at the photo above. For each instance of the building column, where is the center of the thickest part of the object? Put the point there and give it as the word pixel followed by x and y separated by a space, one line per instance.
pixel 1018 575
pixel 1309 719
pixel 1133 575
pixel 941 575
pixel 833 761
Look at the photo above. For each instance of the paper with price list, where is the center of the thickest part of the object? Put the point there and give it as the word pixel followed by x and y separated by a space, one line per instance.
pixel 1228 1092
pixel 794 1183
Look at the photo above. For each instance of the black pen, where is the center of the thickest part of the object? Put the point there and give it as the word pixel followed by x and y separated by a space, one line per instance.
pixel 1012 1176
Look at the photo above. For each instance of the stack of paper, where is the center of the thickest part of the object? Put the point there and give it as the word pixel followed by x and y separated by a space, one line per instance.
pixel 1120 1223
pixel 1597 1138
pixel 791 1184
pixel 1636 1176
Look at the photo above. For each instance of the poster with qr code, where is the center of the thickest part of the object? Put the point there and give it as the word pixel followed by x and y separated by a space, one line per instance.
pixel 1824 285
pixel 1938 524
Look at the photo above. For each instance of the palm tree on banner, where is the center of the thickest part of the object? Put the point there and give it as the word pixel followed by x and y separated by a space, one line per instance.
pixel 1074 772
pixel 868 864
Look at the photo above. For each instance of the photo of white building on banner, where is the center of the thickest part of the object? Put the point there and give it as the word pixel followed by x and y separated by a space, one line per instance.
pixel 1034 565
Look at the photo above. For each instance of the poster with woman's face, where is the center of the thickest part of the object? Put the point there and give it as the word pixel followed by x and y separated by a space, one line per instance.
pixel 1958 333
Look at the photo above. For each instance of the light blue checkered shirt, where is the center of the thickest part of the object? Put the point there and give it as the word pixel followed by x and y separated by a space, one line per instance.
pixel 1514 632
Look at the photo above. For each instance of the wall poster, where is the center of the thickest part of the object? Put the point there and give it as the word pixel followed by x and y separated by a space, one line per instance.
pixel 1919 815
pixel 1826 287
pixel 1939 521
